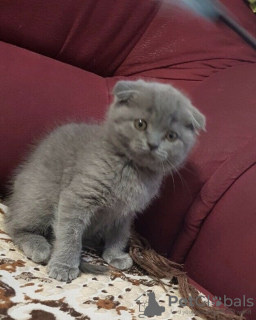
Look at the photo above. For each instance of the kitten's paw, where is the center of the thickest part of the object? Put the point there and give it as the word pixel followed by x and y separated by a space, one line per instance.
pixel 39 252
pixel 122 262
pixel 62 272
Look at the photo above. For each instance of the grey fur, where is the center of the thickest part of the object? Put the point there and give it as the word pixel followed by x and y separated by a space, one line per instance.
pixel 84 184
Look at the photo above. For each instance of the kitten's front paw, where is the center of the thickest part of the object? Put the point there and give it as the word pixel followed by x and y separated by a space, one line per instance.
pixel 62 272
pixel 122 262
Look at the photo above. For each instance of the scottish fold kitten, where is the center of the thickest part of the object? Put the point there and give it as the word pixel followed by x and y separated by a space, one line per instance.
pixel 84 184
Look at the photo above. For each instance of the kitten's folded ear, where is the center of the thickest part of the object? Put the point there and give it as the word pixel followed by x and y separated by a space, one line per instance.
pixel 197 119
pixel 125 90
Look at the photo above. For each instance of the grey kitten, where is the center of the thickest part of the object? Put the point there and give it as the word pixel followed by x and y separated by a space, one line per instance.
pixel 84 184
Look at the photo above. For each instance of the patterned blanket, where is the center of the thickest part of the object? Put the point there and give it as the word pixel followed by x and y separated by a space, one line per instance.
pixel 26 292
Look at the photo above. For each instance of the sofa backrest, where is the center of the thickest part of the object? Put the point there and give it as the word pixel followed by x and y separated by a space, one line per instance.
pixel 93 35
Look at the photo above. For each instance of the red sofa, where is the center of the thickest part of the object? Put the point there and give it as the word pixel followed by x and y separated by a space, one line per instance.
pixel 59 62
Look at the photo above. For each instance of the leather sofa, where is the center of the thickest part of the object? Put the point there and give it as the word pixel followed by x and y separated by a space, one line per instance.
pixel 59 62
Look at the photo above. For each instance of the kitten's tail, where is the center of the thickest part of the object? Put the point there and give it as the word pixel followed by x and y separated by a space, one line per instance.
pixel 92 268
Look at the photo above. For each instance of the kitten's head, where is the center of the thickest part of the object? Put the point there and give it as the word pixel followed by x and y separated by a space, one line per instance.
pixel 153 124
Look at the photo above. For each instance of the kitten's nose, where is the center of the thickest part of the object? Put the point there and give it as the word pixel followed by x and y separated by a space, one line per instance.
pixel 152 145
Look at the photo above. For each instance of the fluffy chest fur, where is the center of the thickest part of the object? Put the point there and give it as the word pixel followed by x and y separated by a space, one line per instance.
pixel 125 191
pixel 135 190
pixel 116 185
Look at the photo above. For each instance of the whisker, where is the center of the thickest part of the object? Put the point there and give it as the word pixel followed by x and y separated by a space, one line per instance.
pixel 184 183
pixel 174 188
pixel 172 175
pixel 188 170
pixel 163 167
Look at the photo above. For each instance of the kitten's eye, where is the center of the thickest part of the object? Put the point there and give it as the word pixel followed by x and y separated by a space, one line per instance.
pixel 171 136
pixel 140 124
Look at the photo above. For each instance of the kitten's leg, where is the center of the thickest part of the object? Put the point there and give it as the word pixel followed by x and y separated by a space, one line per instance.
pixel 69 228
pixel 65 259
pixel 115 244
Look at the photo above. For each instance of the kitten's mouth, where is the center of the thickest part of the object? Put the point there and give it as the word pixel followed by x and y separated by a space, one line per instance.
pixel 147 159
pixel 156 155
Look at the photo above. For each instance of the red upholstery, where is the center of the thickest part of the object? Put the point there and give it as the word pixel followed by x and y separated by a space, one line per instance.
pixel 232 133
pixel 223 256
pixel 219 230
pixel 185 49
pixel 93 35
pixel 212 205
